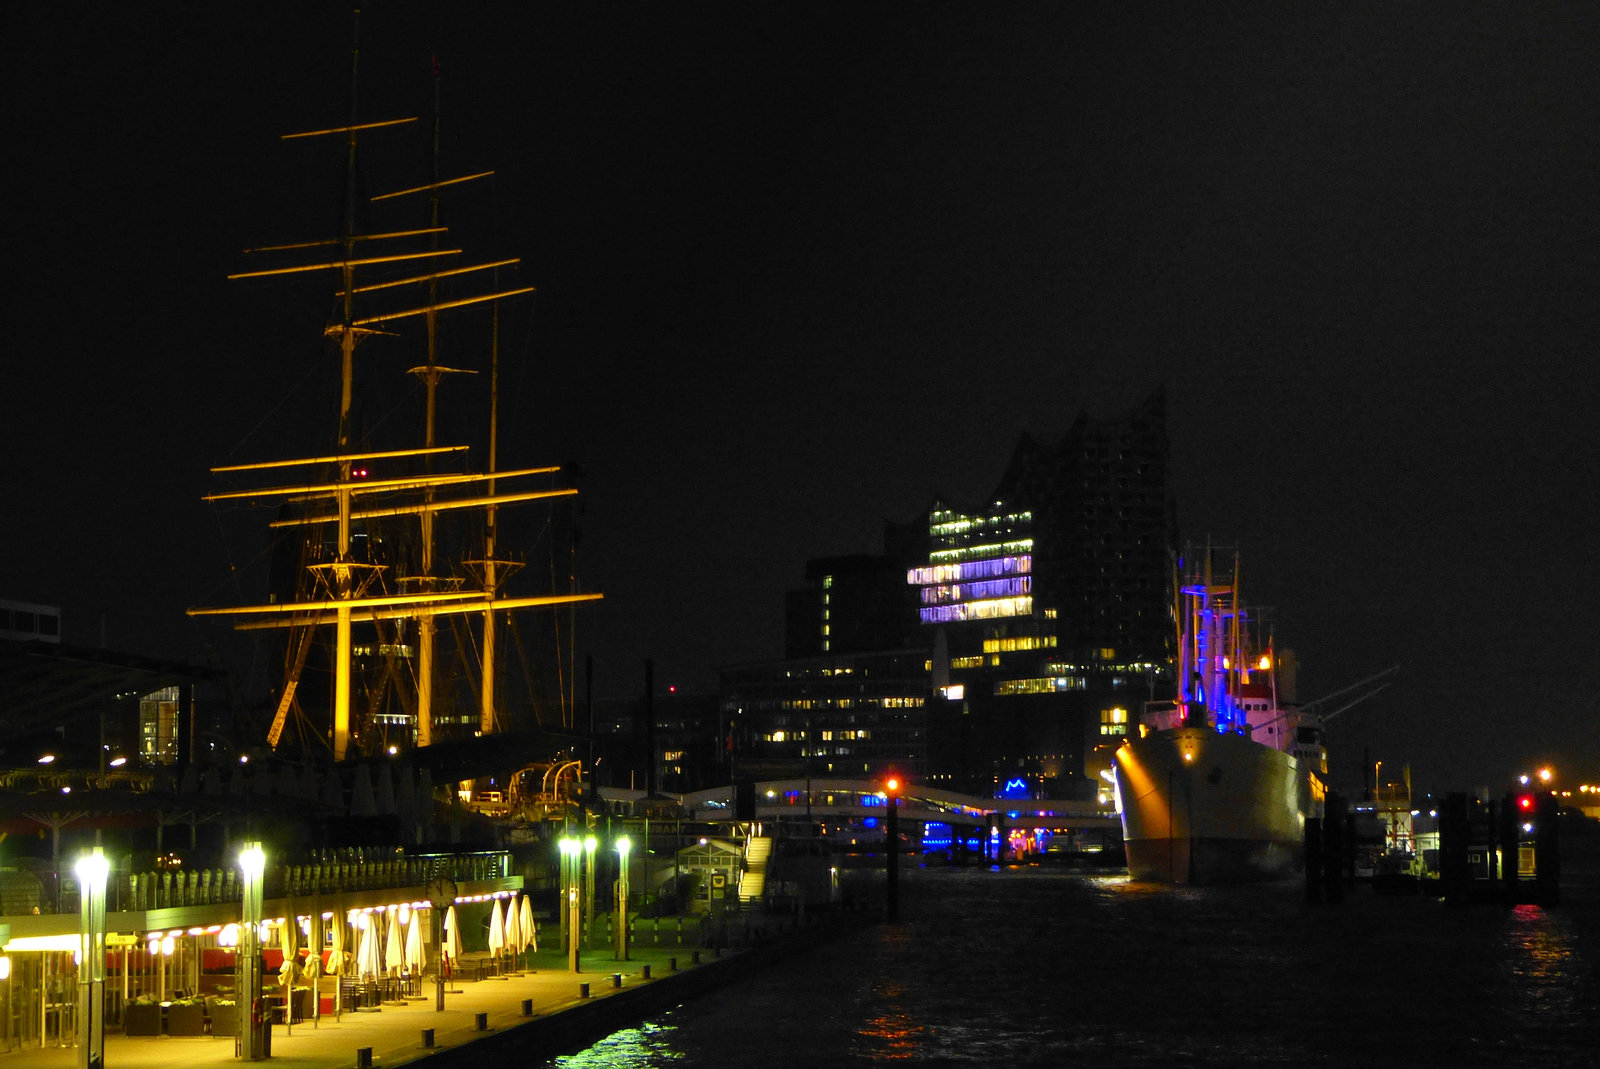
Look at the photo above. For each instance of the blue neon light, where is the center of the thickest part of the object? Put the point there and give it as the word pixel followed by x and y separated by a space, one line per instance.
pixel 1014 788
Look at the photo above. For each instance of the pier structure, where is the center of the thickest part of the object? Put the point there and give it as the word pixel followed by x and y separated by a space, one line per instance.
pixel 172 941
pixel 535 1012
pixel 850 815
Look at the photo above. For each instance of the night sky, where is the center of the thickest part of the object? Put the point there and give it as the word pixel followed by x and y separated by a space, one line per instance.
pixel 802 267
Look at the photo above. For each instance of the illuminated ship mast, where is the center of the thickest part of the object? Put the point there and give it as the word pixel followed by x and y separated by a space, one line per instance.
pixel 1211 654
pixel 342 588
pixel 431 374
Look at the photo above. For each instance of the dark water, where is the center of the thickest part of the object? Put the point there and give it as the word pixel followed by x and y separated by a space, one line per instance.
pixel 1048 967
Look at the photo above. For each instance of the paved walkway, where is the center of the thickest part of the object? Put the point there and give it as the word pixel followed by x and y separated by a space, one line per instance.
pixel 394 1032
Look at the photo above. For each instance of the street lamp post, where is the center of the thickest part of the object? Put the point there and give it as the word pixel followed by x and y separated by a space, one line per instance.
pixel 571 857
pixel 590 843
pixel 252 1018
pixel 92 870
pixel 892 836
pixel 622 897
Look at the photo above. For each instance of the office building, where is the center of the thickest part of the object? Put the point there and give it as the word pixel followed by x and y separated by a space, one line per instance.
pixel 1044 609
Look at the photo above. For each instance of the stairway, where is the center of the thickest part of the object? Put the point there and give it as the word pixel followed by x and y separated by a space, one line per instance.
pixel 754 881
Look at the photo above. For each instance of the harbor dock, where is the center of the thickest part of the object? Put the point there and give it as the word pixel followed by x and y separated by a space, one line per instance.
pixel 539 1012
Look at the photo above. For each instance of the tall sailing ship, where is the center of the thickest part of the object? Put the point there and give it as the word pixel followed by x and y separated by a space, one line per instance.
pixel 369 592
pixel 1218 783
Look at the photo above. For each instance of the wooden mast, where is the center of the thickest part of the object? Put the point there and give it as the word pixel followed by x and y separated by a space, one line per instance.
pixel 486 711
pixel 347 353
pixel 342 583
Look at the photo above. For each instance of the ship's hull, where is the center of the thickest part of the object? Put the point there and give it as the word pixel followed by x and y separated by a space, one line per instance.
pixel 1203 807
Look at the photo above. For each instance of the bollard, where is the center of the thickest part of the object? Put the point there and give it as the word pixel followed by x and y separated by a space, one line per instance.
pixel 1313 848
pixel 527 1007
pixel 672 964
pixel 427 1039
pixel 583 990
pixel 694 958
pixel 363 1058
pixel 616 979
pixel 644 972
pixel 1547 851
pixel 481 1021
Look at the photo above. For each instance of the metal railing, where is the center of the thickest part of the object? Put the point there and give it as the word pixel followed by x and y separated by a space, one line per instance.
pixel 174 888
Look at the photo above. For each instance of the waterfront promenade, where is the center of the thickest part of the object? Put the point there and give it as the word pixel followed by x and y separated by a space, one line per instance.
pixel 561 1018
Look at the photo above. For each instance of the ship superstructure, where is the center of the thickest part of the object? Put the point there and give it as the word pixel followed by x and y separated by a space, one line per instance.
pixel 1218 783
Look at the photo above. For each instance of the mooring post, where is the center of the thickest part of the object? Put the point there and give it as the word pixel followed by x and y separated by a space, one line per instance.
pixel 1454 831
pixel 1333 847
pixel 1547 851
pixel 1313 859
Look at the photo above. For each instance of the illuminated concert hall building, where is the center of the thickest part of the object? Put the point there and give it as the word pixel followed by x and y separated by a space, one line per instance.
pixel 1043 613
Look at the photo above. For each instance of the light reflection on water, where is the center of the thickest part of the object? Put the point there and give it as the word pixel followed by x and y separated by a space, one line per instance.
pixel 1047 967
pixel 632 1048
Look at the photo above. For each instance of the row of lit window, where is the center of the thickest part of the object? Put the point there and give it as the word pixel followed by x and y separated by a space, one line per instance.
pixel 977 610
pixel 988 588
pixel 978 552
pixel 990 568
pixel 1114 721
pixel 384 650
pixel 845 703
pixel 1044 685
pixel 859 734
pixel 1021 642
pixel 963 662
pixel 1133 668
pixel 946 522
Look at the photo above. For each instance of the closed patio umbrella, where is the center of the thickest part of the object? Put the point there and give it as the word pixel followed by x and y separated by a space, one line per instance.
pixel 336 950
pixel 452 937
pixel 514 938
pixel 289 971
pixel 414 959
pixel 394 953
pixel 497 931
pixel 369 961
pixel 530 935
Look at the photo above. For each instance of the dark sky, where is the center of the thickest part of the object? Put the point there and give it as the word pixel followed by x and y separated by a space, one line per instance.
pixel 801 267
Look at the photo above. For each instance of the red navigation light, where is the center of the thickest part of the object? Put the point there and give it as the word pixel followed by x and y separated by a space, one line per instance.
pixel 1525 803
